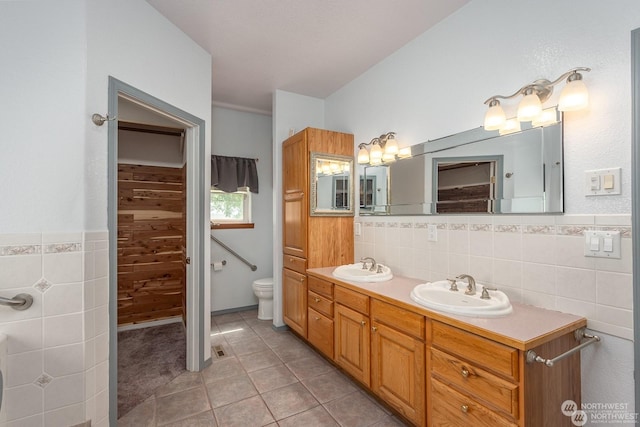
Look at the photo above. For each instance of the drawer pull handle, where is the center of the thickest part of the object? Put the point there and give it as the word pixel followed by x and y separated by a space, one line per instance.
pixel 374 328
pixel 290 259
pixel 317 318
pixel 465 372
pixel 316 299
pixel 363 323
pixel 302 279
pixel 464 408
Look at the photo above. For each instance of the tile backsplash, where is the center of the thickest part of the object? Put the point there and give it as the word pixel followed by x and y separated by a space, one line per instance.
pixel 537 260
pixel 57 367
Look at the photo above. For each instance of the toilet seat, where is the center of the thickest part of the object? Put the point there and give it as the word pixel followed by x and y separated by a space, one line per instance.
pixel 263 283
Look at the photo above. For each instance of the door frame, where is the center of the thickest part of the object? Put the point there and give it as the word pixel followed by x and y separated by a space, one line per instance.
pixel 635 202
pixel 197 328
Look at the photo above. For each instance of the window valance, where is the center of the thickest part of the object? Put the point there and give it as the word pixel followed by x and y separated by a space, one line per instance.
pixel 230 173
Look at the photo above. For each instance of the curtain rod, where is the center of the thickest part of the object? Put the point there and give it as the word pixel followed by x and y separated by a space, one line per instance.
pixel 238 157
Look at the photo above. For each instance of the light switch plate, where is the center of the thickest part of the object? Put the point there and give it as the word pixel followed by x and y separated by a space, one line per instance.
pixel 357 228
pixel 608 244
pixel 432 232
pixel 602 182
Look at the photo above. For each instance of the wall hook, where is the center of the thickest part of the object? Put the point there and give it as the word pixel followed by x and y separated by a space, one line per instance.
pixel 99 119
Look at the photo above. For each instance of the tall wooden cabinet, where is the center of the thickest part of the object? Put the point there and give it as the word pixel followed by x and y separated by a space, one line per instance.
pixel 309 241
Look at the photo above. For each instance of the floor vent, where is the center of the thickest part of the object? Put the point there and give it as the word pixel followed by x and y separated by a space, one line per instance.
pixel 219 351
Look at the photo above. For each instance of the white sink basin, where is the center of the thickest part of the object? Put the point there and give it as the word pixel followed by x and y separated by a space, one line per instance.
pixel 355 273
pixel 437 296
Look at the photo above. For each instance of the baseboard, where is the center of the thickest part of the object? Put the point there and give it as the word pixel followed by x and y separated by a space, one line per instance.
pixel 175 319
pixel 234 310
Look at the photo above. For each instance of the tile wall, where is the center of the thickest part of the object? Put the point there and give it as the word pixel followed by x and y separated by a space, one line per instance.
pixel 536 260
pixel 57 367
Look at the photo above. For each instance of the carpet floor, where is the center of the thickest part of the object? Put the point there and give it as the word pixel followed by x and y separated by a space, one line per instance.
pixel 147 359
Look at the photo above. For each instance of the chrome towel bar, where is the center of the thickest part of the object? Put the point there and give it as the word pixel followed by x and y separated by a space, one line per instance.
pixel 19 302
pixel 579 334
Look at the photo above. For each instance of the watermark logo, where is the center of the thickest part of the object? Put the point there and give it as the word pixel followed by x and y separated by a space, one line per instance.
pixel 598 413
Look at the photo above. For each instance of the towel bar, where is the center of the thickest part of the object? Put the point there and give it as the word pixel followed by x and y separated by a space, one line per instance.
pixel 19 302
pixel 579 334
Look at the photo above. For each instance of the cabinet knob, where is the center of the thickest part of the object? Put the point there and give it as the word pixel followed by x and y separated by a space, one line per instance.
pixel 316 299
pixel 464 408
pixel 362 322
pixel 374 328
pixel 465 372
pixel 302 279
pixel 317 318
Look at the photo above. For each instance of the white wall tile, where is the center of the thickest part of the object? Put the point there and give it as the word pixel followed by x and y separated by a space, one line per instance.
pixel 23 336
pixel 35 311
pixel 64 417
pixel 580 308
pixel 64 391
pixel 63 267
pixel 539 248
pixel 11 239
pixel 576 283
pixel 63 299
pixel 33 421
pixel 102 347
pixel 23 368
pixel 481 243
pixel 623 265
pixel 570 252
pixel 101 266
pixel 614 316
pixel 615 289
pixel 539 299
pixel 20 271
pixel 62 330
pixel 539 278
pixel 507 273
pixel 64 360
pixel 482 269
pixel 23 401
pixel 507 245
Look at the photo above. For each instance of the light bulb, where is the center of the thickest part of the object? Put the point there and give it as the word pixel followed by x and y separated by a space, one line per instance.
pixel 530 107
pixel 388 158
pixel 404 153
pixel 574 96
pixel 510 126
pixel 495 117
pixel 376 152
pixel 391 147
pixel 545 118
pixel 363 156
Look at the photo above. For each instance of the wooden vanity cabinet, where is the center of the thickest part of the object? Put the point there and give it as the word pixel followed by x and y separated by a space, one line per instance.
pixel 472 380
pixel 309 241
pixel 352 338
pixel 398 359
pixel 320 315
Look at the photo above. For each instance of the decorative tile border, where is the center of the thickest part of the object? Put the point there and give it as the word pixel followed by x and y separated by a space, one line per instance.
pixel 406 225
pixel 507 228
pixel 573 230
pixel 481 227
pixel 57 248
pixel 540 229
pixel 422 225
pixel 19 250
pixel 392 224
pixel 458 227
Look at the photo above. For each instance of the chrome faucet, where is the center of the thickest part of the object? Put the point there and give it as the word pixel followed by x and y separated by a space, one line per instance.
pixel 364 263
pixel 471 287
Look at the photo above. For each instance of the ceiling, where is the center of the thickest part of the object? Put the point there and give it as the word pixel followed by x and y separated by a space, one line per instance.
pixel 309 47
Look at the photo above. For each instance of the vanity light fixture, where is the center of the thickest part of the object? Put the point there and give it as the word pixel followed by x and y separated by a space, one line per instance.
pixel 383 149
pixel 574 96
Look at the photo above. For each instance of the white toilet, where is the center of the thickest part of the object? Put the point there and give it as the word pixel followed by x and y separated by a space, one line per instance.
pixel 263 289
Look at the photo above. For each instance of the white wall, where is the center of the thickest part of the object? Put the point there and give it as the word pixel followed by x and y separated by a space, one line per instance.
pixel 242 134
pixel 56 60
pixel 436 85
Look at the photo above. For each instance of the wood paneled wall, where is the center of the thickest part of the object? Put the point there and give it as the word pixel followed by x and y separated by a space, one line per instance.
pixel 151 243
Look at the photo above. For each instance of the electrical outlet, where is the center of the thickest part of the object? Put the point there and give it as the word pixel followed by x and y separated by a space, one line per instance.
pixel 432 232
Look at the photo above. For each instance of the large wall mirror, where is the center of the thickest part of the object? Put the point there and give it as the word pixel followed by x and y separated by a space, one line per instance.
pixel 476 171
pixel 331 185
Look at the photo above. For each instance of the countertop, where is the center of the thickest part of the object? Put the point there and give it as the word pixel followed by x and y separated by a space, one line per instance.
pixel 526 328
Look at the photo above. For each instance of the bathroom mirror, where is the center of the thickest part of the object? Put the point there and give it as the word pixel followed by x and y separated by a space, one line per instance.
pixel 476 171
pixel 331 185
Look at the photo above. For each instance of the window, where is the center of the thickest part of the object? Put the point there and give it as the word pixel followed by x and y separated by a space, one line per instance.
pixel 230 210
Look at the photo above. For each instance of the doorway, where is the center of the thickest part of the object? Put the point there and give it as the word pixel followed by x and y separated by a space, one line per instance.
pixel 197 330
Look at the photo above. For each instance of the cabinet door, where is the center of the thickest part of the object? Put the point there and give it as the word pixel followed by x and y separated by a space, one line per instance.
pixel 295 184
pixel 352 341
pixel 398 371
pixel 294 294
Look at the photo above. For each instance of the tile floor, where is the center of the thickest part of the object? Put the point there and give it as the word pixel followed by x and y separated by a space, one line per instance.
pixel 266 378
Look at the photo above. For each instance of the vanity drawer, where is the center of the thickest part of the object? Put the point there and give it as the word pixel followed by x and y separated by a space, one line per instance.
pixel 405 321
pixel 295 263
pixel 354 300
pixel 448 408
pixel 477 382
pixel 321 287
pixel 320 332
pixel 491 355
pixel 320 304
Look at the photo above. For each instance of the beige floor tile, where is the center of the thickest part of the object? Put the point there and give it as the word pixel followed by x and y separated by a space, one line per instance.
pixel 308 367
pixel 316 417
pixel 248 346
pixel 204 419
pixel 355 410
pixel 289 400
pixel 229 390
pixel 181 405
pixel 182 382
pixel 143 415
pixel 222 368
pixel 255 361
pixel 271 378
pixel 330 386
pixel 293 351
pixel 245 413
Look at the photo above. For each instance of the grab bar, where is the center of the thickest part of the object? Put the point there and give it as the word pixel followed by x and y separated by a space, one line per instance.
pixel 234 253
pixel 579 334
pixel 19 302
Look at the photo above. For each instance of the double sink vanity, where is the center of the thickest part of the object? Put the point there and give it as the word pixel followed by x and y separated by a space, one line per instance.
pixel 436 368
pixel 448 353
